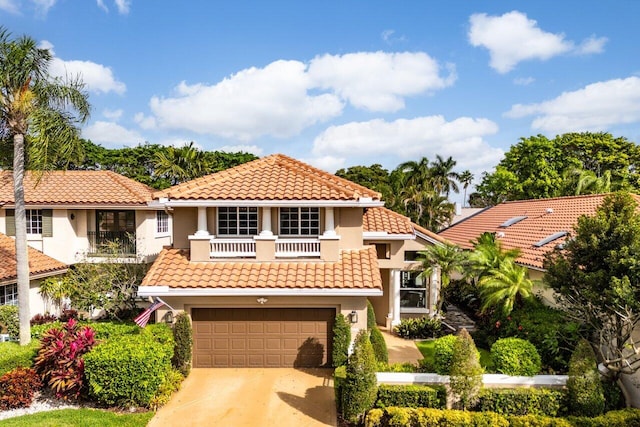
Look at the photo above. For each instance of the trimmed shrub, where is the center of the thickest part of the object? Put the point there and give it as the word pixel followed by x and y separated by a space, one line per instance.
pixel 622 418
pixel 466 372
pixel 442 353
pixel 9 320
pixel 132 369
pixel 43 319
pixel 522 401
pixel 18 387
pixel 613 397
pixel 515 356
pixel 339 376
pixel 537 421
pixel 341 341
pixel 379 345
pixel 183 344
pixel 420 417
pixel 360 388
pixel 371 316
pixel 59 361
pixel 13 355
pixel 410 396
pixel 170 385
pixel 585 393
pixel 424 327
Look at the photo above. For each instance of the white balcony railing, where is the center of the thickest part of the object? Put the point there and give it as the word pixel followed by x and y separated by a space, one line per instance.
pixel 292 248
pixel 233 248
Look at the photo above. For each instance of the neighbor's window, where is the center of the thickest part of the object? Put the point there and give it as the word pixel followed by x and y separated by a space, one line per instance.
pixel 413 291
pixel 299 221
pixel 242 221
pixel 34 221
pixel 116 221
pixel 162 222
pixel 9 294
pixel 411 256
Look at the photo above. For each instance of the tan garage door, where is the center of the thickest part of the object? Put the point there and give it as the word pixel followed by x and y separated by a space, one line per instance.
pixel 262 337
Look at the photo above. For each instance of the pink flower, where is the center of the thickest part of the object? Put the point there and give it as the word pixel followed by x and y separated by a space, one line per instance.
pixel 498 324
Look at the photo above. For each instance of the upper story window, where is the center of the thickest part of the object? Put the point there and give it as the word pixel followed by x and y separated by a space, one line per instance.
pixel 411 256
pixel 34 221
pixel 116 221
pixel 241 221
pixel 39 222
pixel 162 222
pixel 300 221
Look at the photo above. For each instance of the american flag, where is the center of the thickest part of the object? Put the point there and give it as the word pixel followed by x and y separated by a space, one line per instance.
pixel 143 318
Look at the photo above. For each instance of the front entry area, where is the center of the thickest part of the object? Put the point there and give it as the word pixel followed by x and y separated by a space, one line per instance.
pixel 262 337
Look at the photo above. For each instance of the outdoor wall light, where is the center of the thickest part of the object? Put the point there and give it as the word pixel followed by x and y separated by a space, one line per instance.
pixel 262 300
pixel 353 317
pixel 168 317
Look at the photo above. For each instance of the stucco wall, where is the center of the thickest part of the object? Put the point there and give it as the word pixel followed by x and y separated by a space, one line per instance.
pixel 348 222
pixel 381 304
pixel 185 223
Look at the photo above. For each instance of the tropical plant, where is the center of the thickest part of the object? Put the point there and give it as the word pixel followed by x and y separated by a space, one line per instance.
pixel 505 286
pixel 37 119
pixel 55 290
pixel 465 178
pixel 180 164
pixel 447 259
pixel 18 388
pixel 487 255
pixel 443 178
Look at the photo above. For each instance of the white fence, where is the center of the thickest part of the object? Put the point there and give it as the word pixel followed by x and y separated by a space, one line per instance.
pixel 489 380
pixel 233 248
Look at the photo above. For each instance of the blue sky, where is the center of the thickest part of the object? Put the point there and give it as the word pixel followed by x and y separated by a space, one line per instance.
pixel 342 83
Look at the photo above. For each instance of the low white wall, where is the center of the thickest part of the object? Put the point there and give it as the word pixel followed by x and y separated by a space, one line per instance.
pixel 489 380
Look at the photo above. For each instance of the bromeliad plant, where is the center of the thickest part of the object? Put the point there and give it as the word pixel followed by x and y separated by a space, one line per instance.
pixel 59 361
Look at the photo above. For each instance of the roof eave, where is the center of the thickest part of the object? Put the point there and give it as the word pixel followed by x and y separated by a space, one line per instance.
pixel 147 291
pixel 362 203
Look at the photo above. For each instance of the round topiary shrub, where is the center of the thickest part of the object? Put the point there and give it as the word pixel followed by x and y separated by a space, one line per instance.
pixel 515 356
pixel 585 392
pixel 443 353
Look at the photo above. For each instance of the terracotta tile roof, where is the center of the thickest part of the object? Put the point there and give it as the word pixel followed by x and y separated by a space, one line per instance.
pixel 76 188
pixel 383 219
pixel 356 269
pixel 429 233
pixel 275 177
pixel 544 217
pixel 39 263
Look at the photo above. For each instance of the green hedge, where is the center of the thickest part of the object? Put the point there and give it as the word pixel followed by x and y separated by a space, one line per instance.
pixel 339 377
pixel 130 370
pixel 515 356
pixel 411 396
pixel 9 323
pixel 522 401
pixel 13 355
pixel 104 330
pixel 427 417
pixel 341 341
pixel 442 353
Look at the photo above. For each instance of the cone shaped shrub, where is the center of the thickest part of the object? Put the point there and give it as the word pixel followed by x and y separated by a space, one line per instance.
pixel 360 385
pixel 586 395
pixel 183 344
pixel 466 372
pixel 341 341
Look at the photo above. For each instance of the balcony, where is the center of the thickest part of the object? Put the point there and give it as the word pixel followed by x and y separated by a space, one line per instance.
pixel 111 244
pixel 233 248
pixel 246 248
pixel 297 248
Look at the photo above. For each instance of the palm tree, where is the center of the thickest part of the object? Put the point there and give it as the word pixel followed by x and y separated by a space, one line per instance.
pixel 447 258
pixel 465 178
pixel 488 255
pixel 182 164
pixel 36 117
pixel 505 286
pixel 443 178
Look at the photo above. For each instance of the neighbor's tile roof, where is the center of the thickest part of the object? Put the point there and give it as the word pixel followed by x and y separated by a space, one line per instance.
pixel 383 219
pixel 39 263
pixel 275 177
pixel 356 269
pixel 544 218
pixel 76 188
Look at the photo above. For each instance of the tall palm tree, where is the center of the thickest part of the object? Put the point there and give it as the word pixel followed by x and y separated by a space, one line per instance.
pixel 37 116
pixel 505 286
pixel 443 178
pixel 447 258
pixel 465 178
pixel 182 164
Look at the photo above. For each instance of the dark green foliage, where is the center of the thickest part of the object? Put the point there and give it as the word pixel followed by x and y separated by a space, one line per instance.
pixel 13 355
pixel 613 397
pixel 341 341
pixel 379 345
pixel 443 353
pixel 522 401
pixel 412 396
pixel 423 327
pixel 515 356
pixel 586 396
pixel 183 344
pixel 360 386
pixel 466 372
pixel 9 320
pixel 18 387
pixel 132 369
pixel 371 316
pixel 339 377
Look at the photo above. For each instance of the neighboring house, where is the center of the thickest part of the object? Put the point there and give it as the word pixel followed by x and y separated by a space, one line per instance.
pixel 267 253
pixel 40 267
pixel 76 216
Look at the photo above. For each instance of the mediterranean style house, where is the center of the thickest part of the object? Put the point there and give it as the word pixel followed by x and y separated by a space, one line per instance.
pixel 76 216
pixel 266 254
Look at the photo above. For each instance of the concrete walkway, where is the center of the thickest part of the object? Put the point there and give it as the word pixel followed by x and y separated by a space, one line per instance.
pixel 401 350
pixel 252 397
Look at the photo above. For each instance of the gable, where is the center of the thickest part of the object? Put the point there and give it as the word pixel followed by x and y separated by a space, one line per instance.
pixel 40 265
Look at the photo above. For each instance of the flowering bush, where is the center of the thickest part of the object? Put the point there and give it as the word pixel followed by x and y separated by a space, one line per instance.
pixel 18 387
pixel 59 361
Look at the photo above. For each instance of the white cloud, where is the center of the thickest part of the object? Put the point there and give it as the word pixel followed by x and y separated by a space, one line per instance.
pixel 43 6
pixel 379 81
pixel 112 114
pixel 102 6
pixel 523 81
pixel 326 163
pixel 405 139
pixel 10 6
pixel 253 149
pixel 145 122
pixel 257 101
pixel 592 108
pixel 123 6
pixel 112 134
pixel 512 38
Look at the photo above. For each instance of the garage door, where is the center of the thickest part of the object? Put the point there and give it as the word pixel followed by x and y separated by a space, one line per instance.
pixel 262 337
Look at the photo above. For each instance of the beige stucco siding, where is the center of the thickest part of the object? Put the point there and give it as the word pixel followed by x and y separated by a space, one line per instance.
pixel 348 223
pixel 185 224
pixel 381 303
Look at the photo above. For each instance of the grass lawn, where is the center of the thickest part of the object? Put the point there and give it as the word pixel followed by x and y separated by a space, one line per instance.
pixel 80 418
pixel 427 350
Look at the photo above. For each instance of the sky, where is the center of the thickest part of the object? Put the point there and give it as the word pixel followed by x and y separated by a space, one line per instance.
pixel 344 83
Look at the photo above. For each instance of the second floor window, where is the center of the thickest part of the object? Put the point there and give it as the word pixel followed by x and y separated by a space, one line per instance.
pixel 241 221
pixel 116 221
pixel 162 222
pixel 34 221
pixel 299 221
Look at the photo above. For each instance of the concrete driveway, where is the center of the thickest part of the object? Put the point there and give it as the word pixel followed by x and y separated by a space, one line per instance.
pixel 252 397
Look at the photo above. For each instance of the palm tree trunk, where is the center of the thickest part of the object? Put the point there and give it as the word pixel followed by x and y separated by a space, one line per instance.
pixel 22 254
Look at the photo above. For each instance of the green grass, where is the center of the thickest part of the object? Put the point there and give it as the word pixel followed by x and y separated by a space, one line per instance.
pixel 79 418
pixel 427 350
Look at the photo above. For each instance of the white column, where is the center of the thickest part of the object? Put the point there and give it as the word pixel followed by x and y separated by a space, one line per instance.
pixel 394 297
pixel 329 224
pixel 266 222
pixel 203 230
pixel 434 290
